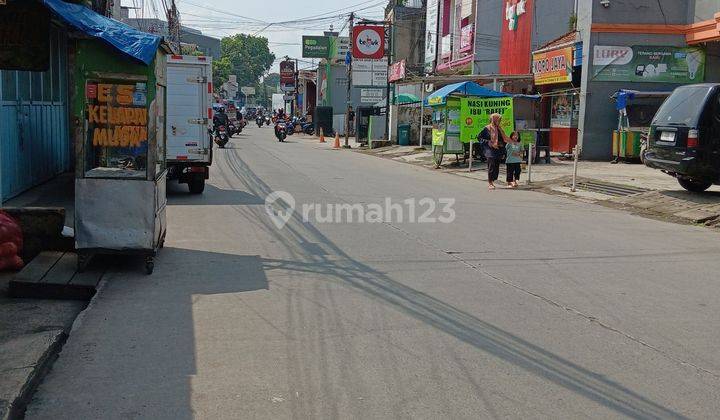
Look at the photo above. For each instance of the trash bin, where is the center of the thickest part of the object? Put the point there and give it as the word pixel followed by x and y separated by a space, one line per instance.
pixel 404 134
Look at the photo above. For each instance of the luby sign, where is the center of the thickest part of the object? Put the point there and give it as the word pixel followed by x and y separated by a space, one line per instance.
pixel 612 55
pixel 368 41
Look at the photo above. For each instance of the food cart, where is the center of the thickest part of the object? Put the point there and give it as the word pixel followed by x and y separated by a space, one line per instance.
pixel 635 113
pixel 119 118
pixel 460 111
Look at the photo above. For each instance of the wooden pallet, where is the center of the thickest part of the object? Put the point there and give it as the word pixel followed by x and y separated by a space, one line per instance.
pixel 54 275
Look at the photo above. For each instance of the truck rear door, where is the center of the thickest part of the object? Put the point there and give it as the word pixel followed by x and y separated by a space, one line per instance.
pixel 188 108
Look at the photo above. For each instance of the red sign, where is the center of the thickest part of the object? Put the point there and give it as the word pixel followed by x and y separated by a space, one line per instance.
pixel 287 73
pixel 396 71
pixel 466 37
pixel 91 90
pixel 368 41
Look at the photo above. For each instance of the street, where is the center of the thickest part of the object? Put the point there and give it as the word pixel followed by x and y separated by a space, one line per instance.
pixel 526 306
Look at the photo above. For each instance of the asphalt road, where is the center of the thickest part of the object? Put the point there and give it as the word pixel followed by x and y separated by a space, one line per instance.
pixel 526 306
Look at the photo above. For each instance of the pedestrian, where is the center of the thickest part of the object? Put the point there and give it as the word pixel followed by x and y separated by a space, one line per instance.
pixel 513 149
pixel 492 140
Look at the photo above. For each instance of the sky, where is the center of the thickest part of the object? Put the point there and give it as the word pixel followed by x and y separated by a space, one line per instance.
pixel 220 18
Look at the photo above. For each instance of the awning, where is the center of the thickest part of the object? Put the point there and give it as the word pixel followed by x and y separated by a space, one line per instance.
pixel 439 97
pixel 128 40
pixel 622 96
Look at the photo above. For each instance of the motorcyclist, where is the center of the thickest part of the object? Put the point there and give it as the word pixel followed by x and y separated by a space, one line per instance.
pixel 220 118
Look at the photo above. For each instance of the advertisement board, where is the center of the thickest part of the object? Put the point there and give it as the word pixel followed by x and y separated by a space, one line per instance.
pixel 371 96
pixel 366 72
pixel 368 41
pixel 287 73
pixel 396 71
pixel 315 46
pixel 551 67
pixel 466 37
pixel 339 47
pixel 652 64
pixel 431 23
pixel 475 115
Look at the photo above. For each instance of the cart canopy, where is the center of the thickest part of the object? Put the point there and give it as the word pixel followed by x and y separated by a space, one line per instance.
pixel 439 97
pixel 128 40
pixel 622 96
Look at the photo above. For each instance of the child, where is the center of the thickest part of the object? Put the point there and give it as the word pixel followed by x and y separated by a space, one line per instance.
pixel 514 158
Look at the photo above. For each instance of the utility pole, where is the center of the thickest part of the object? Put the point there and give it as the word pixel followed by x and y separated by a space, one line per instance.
pixel 297 87
pixel 349 85
pixel 173 17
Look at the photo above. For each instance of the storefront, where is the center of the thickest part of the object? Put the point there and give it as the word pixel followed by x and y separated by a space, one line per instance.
pixel 556 72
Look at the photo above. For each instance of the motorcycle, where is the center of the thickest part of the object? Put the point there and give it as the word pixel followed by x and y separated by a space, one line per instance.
pixel 267 120
pixel 221 136
pixel 291 123
pixel 259 121
pixel 281 130
pixel 232 129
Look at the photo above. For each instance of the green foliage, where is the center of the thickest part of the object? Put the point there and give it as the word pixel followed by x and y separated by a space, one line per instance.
pixel 190 49
pixel 244 55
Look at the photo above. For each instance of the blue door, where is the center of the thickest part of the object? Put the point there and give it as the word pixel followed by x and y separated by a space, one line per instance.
pixel 34 139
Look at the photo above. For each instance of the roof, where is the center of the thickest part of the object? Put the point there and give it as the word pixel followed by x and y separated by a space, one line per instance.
pixel 128 40
pixel 561 41
pixel 439 97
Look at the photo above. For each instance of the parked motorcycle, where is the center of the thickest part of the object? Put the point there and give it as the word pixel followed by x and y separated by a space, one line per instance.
pixel 221 136
pixel 281 130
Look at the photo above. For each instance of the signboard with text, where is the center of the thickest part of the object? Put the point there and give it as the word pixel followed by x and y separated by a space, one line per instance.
pixel 431 23
pixel 551 67
pixel 396 71
pixel 369 72
pixel 315 46
pixel 652 64
pixel 475 115
pixel 287 74
pixel 371 96
pixel 368 41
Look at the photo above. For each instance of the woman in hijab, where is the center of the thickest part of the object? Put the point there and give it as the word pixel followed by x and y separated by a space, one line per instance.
pixel 493 139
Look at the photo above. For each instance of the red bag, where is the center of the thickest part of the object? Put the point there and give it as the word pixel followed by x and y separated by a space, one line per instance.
pixel 11 243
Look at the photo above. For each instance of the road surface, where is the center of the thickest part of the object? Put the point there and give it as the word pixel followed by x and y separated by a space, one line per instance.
pixel 526 306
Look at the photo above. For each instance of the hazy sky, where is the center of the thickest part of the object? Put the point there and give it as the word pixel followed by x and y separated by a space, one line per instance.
pixel 225 17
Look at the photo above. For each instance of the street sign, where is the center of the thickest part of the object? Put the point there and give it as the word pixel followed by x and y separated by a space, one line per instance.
pixel 287 88
pixel 368 41
pixel 247 90
pixel 366 72
pixel 371 96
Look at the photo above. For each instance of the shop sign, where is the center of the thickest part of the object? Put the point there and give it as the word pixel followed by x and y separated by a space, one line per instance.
pixel 369 72
pixel 315 46
pixel 24 36
pixel 431 22
pixel 371 96
pixel 247 90
pixel 368 41
pixel 551 67
pixel 396 71
pixel 287 73
pixel 475 115
pixel 339 47
pixel 651 64
pixel 466 37
pixel 116 114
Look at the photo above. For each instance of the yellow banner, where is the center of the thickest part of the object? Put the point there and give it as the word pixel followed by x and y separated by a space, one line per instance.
pixel 552 67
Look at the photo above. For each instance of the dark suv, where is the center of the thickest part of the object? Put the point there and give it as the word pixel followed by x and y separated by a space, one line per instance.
pixel 684 137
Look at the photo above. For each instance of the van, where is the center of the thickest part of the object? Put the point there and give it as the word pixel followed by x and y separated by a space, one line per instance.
pixel 684 137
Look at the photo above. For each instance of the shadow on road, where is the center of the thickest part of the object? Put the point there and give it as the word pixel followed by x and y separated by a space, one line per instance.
pixel 178 195
pixel 463 326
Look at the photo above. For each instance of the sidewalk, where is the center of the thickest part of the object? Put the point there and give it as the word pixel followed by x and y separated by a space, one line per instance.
pixel 628 186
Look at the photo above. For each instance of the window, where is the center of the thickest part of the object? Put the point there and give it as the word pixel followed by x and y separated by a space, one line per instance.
pixel 118 129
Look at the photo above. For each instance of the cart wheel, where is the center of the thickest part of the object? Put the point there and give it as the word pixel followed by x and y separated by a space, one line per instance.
pixel 437 156
pixel 149 265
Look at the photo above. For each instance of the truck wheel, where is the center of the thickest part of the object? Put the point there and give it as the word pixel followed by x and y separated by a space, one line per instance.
pixel 197 184
pixel 694 185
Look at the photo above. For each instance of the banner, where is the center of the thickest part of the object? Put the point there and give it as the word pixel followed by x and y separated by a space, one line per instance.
pixel 315 46
pixel 431 23
pixel 551 67
pixel 287 73
pixel 475 115
pixel 396 71
pixel 368 41
pixel 516 36
pixel 650 64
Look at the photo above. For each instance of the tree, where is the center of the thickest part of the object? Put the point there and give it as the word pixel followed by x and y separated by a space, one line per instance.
pixel 243 55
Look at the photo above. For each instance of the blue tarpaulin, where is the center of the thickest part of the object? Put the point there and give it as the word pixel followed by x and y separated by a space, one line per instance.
pixel 139 45
pixel 439 97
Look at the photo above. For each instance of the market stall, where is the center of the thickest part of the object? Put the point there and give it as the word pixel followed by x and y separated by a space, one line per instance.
pixel 635 113
pixel 460 111
pixel 119 119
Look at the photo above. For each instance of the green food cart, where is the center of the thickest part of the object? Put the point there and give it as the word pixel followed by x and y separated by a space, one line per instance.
pixel 636 110
pixel 460 111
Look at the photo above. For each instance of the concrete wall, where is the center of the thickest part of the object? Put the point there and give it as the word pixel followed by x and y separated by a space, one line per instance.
pixel 704 10
pixel 409 38
pixel 598 113
pixel 488 22
pixel 551 21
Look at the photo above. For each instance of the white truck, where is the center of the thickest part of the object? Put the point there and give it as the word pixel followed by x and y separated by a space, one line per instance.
pixel 188 117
